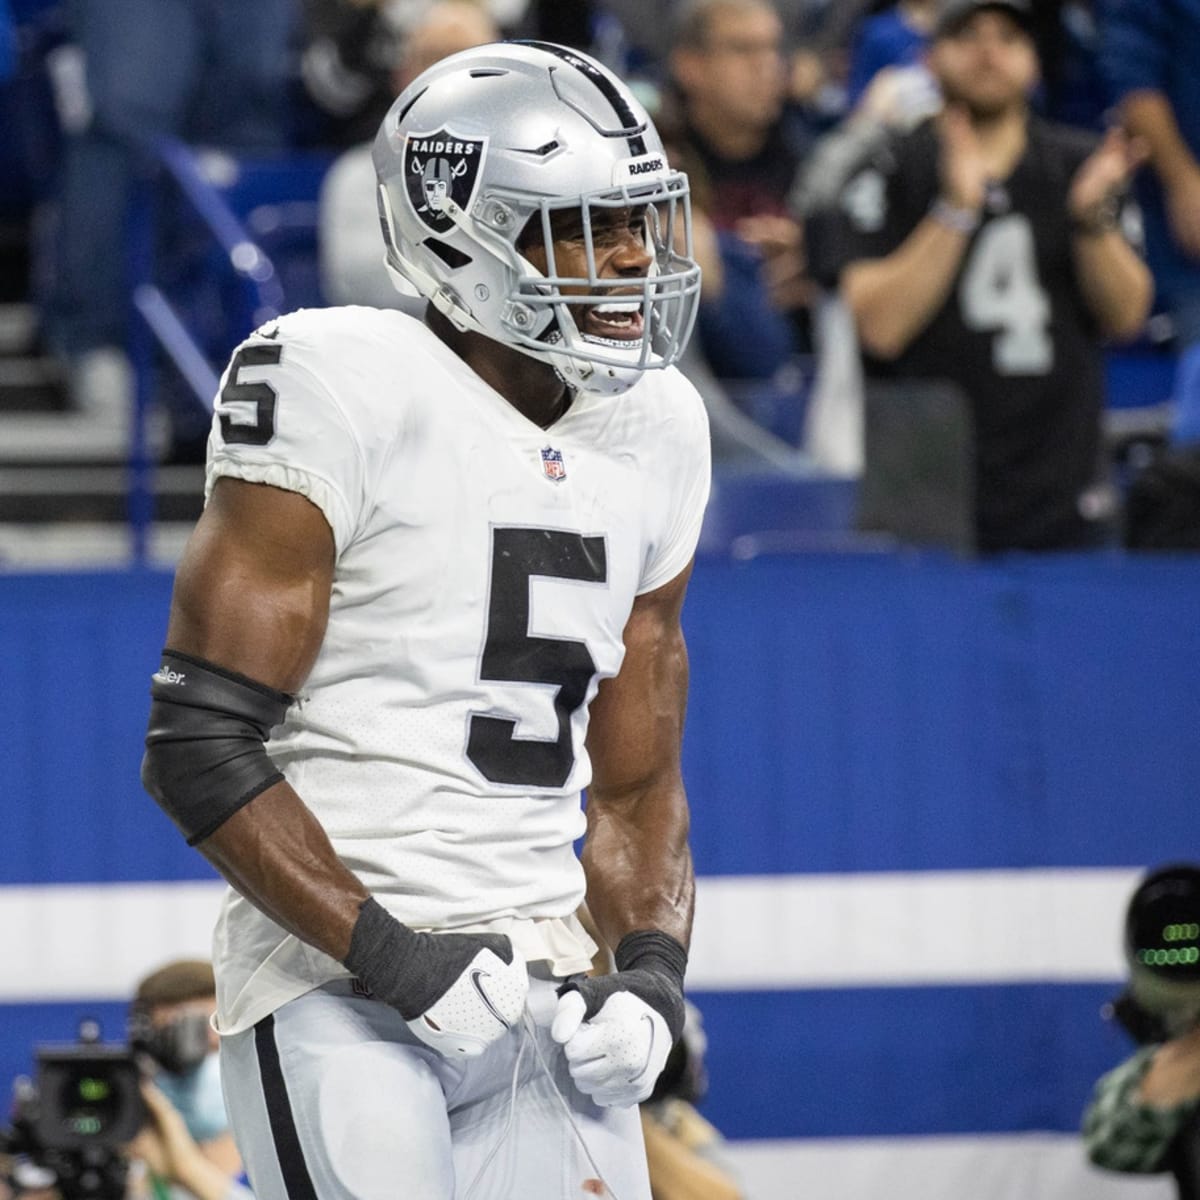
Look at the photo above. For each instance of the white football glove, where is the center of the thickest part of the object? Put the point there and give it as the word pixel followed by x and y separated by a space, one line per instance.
pixel 481 1005
pixel 458 992
pixel 617 1055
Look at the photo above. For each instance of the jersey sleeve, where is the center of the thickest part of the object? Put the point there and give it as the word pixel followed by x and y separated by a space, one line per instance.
pixel 686 448
pixel 276 422
pixel 869 219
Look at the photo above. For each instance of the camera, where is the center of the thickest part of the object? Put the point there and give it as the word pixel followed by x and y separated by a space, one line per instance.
pixel 73 1119
pixel 1162 948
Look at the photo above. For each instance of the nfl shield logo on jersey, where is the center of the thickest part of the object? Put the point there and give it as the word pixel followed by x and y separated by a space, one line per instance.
pixel 441 166
pixel 552 464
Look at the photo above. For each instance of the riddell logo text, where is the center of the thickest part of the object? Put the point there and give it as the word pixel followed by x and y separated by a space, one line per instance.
pixel 643 168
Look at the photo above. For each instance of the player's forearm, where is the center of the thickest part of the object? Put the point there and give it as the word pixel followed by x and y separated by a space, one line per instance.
pixel 276 854
pixel 1115 283
pixel 894 298
pixel 1148 115
pixel 638 864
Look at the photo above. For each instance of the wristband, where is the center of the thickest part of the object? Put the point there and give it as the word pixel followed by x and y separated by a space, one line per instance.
pixel 411 971
pixel 1101 219
pixel 650 964
pixel 961 220
pixel 664 960
pixel 651 948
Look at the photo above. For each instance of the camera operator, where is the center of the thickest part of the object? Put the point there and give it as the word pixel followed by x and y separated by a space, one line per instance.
pixel 116 1122
pixel 187 1142
pixel 1144 1116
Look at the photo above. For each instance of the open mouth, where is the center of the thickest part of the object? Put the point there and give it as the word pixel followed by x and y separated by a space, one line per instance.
pixel 615 322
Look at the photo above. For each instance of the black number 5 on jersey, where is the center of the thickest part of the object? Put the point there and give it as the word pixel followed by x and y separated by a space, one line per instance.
pixel 511 654
pixel 247 410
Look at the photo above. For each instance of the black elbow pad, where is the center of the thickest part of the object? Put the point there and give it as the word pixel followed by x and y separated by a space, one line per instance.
pixel 205 754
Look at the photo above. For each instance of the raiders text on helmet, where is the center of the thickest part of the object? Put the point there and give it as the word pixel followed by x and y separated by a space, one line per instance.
pixel 487 145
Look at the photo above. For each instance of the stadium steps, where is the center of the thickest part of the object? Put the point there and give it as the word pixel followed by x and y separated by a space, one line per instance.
pixel 63 479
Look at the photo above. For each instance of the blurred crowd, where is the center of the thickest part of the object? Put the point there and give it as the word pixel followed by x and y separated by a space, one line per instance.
pixel 801 124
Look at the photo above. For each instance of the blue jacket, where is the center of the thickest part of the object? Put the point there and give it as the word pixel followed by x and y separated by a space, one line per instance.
pixel 8 43
pixel 885 40
pixel 1155 45
pixel 741 334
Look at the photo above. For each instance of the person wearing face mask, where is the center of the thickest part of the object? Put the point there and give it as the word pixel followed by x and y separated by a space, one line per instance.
pixel 1144 1116
pixel 187 1145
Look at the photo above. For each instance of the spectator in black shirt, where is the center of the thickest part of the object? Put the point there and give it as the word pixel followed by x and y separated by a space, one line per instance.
pixel 985 249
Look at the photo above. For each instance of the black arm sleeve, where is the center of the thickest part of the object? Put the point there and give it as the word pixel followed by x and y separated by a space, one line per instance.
pixel 205 754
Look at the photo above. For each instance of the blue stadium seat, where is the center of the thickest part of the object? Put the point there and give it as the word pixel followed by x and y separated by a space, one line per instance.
pixel 1139 376
pixel 236 239
pixel 221 244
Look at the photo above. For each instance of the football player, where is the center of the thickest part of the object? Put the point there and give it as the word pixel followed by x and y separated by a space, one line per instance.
pixel 435 593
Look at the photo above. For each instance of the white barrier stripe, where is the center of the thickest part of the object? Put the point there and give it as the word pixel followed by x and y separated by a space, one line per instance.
pixel 95 941
pixel 934 1168
pixel 752 932
pixel 922 928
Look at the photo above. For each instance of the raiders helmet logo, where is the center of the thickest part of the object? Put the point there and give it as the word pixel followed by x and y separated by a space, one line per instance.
pixel 438 167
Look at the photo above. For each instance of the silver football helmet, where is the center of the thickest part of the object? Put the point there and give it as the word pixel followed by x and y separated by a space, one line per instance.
pixel 475 158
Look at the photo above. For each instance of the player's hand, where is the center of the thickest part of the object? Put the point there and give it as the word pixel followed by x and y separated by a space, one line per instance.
pixel 617 1030
pixel 458 992
pixel 1183 211
pixel 1104 174
pixel 481 982
pixel 963 168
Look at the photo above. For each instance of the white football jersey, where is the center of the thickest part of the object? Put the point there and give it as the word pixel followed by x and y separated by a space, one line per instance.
pixel 485 571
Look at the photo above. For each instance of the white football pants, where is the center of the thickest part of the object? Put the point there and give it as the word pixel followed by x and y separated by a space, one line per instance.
pixel 333 1098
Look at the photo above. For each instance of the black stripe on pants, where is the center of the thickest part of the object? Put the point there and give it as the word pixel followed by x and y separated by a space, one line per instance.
pixel 288 1150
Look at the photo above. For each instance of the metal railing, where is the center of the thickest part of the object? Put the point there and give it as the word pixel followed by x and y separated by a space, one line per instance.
pixel 157 326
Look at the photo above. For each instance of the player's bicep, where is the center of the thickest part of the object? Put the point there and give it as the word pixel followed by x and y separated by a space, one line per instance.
pixel 636 720
pixel 252 590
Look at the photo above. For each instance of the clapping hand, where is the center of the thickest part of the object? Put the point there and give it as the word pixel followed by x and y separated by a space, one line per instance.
pixel 1104 175
pixel 964 169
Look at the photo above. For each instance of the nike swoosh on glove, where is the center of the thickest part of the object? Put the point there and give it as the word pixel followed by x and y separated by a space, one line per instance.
pixel 617 1030
pixel 458 992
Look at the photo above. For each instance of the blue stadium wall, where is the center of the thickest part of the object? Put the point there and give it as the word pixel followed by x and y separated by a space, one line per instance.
pixel 921 792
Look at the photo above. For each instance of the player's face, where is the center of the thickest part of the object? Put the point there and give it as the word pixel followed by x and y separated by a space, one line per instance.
pixel 619 246
pixel 989 64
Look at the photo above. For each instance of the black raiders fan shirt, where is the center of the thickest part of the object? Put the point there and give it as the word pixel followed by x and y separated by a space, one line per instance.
pixel 1015 333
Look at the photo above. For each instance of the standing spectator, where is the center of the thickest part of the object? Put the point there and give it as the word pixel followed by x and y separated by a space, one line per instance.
pixel 729 67
pixel 352 267
pixel 1149 54
pixel 984 249
pixel 729 71
pixel 211 71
